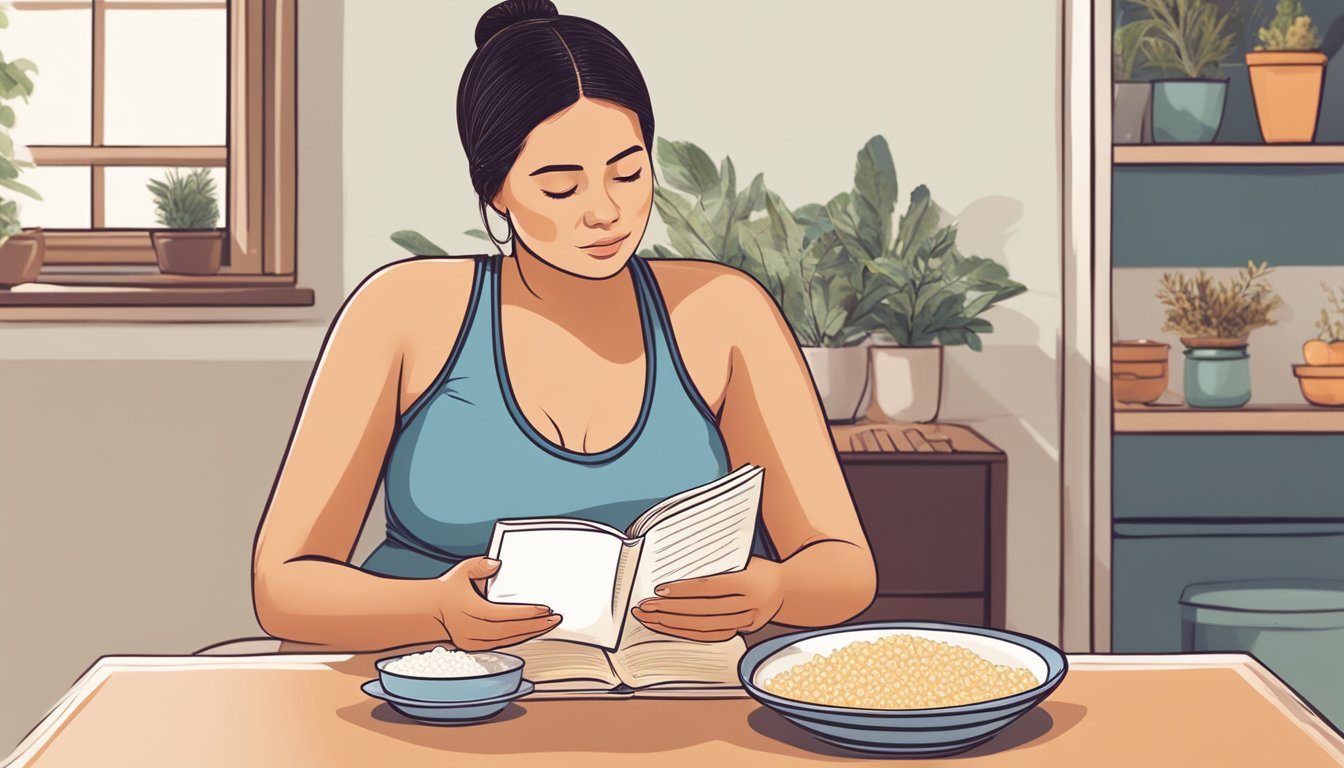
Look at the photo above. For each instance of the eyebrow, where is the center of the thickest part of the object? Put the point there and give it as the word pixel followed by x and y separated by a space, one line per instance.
pixel 551 168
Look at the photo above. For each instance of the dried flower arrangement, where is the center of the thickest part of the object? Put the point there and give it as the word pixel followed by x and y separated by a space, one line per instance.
pixel 1200 308
pixel 1332 331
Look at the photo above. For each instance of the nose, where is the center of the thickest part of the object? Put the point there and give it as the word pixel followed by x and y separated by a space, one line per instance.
pixel 602 210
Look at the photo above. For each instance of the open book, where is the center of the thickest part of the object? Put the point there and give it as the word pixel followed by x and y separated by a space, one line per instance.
pixel 591 574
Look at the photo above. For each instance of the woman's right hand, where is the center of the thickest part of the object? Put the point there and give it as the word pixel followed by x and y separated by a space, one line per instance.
pixel 476 624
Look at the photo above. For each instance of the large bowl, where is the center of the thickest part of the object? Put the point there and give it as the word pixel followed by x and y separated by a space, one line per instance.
pixel 505 675
pixel 905 732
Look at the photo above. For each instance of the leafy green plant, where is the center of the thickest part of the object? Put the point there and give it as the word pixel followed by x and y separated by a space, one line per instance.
pixel 795 253
pixel 1291 30
pixel 1189 37
pixel 1332 331
pixel 417 243
pixel 1199 307
pixel 186 202
pixel 1128 47
pixel 15 83
pixel 925 289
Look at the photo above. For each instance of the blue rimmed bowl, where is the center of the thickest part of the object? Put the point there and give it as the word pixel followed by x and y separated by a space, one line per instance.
pixel 504 676
pixel 932 732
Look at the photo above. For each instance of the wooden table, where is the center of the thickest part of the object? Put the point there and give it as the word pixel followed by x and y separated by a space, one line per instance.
pixel 306 709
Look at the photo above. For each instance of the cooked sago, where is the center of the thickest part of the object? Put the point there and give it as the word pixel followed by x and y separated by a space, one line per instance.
pixel 439 662
pixel 899 672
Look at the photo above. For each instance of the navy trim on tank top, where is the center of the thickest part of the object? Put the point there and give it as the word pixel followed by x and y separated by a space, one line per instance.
pixel 673 350
pixel 441 378
pixel 506 389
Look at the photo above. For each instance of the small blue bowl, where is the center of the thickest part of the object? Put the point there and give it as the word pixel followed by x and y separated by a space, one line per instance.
pixel 931 732
pixel 505 676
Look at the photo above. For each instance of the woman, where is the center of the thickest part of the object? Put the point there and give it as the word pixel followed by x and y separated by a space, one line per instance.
pixel 507 386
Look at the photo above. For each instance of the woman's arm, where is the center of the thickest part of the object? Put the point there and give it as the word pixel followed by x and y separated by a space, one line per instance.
pixel 303 587
pixel 771 417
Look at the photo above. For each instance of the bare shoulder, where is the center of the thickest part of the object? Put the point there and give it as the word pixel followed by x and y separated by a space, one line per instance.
pixel 402 295
pixel 717 296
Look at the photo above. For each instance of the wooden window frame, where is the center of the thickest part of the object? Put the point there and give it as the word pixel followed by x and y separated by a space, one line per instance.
pixel 260 155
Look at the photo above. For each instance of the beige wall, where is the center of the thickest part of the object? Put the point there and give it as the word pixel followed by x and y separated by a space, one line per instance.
pixel 141 472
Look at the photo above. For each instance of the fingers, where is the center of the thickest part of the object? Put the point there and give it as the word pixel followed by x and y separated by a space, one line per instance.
pixel 721 585
pixel 730 623
pixel 484 610
pixel 478 567
pixel 689 634
pixel 493 633
pixel 698 606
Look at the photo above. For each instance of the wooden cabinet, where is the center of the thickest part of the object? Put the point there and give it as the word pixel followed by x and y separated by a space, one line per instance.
pixel 933 502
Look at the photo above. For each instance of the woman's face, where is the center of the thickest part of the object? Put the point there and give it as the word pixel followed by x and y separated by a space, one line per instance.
pixel 580 191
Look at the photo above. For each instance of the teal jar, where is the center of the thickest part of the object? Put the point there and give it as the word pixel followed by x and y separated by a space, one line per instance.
pixel 1217 377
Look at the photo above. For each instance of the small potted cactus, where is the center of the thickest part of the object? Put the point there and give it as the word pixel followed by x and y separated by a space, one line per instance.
pixel 187 206
pixel 1216 320
pixel 21 248
pixel 1287 72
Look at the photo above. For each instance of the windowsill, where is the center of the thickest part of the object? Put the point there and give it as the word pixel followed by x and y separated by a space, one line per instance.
pixel 227 292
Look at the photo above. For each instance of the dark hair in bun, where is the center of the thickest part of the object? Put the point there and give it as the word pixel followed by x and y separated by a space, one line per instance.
pixel 505 14
pixel 530 63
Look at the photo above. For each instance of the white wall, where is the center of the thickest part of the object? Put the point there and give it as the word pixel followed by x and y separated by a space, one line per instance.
pixel 127 535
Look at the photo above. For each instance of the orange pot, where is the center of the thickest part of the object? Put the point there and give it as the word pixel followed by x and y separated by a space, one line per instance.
pixel 1321 384
pixel 1287 88
pixel 1139 371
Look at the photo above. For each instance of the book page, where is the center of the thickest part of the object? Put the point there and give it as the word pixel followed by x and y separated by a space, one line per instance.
pixel 559 665
pixel 571 570
pixel 648 658
pixel 688 499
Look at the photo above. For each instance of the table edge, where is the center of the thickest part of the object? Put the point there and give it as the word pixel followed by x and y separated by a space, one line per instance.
pixel 1251 669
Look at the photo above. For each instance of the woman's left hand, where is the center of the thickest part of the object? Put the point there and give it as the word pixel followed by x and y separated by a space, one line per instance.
pixel 713 608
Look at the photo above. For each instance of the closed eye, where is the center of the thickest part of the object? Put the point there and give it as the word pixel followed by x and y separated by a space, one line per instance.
pixel 632 177
pixel 560 195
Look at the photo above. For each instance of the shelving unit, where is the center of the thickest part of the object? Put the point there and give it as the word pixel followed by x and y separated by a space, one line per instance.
pixel 1228 154
pixel 1251 419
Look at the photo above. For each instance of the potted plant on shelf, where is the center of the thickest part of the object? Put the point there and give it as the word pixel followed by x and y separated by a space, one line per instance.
pixel 21 248
pixel 1216 320
pixel 187 206
pixel 1192 39
pixel 1322 378
pixel 1287 72
pixel 1132 100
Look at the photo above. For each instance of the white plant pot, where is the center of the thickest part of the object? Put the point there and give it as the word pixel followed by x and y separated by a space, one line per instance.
pixel 841 376
pixel 907 382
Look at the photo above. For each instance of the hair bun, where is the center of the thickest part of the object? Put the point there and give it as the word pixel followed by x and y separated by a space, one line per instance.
pixel 511 12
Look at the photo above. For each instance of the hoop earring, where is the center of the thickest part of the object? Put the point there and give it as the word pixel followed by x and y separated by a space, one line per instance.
pixel 491 234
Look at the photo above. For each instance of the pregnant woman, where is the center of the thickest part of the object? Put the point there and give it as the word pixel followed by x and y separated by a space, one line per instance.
pixel 568 377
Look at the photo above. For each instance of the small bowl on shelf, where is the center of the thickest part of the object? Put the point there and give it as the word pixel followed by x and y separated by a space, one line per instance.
pixel 503 676
pixel 1321 384
pixel 1139 371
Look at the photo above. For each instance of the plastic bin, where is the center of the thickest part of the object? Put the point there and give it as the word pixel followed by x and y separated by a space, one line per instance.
pixel 1293 626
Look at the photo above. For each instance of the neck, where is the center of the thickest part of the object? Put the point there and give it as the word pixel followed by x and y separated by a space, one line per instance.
pixel 559 293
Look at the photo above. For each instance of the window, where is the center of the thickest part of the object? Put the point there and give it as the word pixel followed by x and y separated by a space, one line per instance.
pixel 130 90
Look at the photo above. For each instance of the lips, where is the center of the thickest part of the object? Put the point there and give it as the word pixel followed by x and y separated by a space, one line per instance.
pixel 605 243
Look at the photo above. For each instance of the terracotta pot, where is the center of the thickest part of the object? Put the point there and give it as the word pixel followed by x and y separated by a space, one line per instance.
pixel 841 375
pixel 1321 384
pixel 1287 86
pixel 188 252
pixel 21 257
pixel 1139 371
pixel 907 382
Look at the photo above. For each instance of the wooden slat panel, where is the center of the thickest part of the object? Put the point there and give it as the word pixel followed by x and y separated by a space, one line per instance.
pixel 45 295
pixel 280 172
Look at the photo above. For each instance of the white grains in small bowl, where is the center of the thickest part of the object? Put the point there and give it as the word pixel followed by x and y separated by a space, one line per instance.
pixel 439 662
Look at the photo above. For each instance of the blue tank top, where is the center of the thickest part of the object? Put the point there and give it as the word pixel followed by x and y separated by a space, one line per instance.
pixel 464 456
